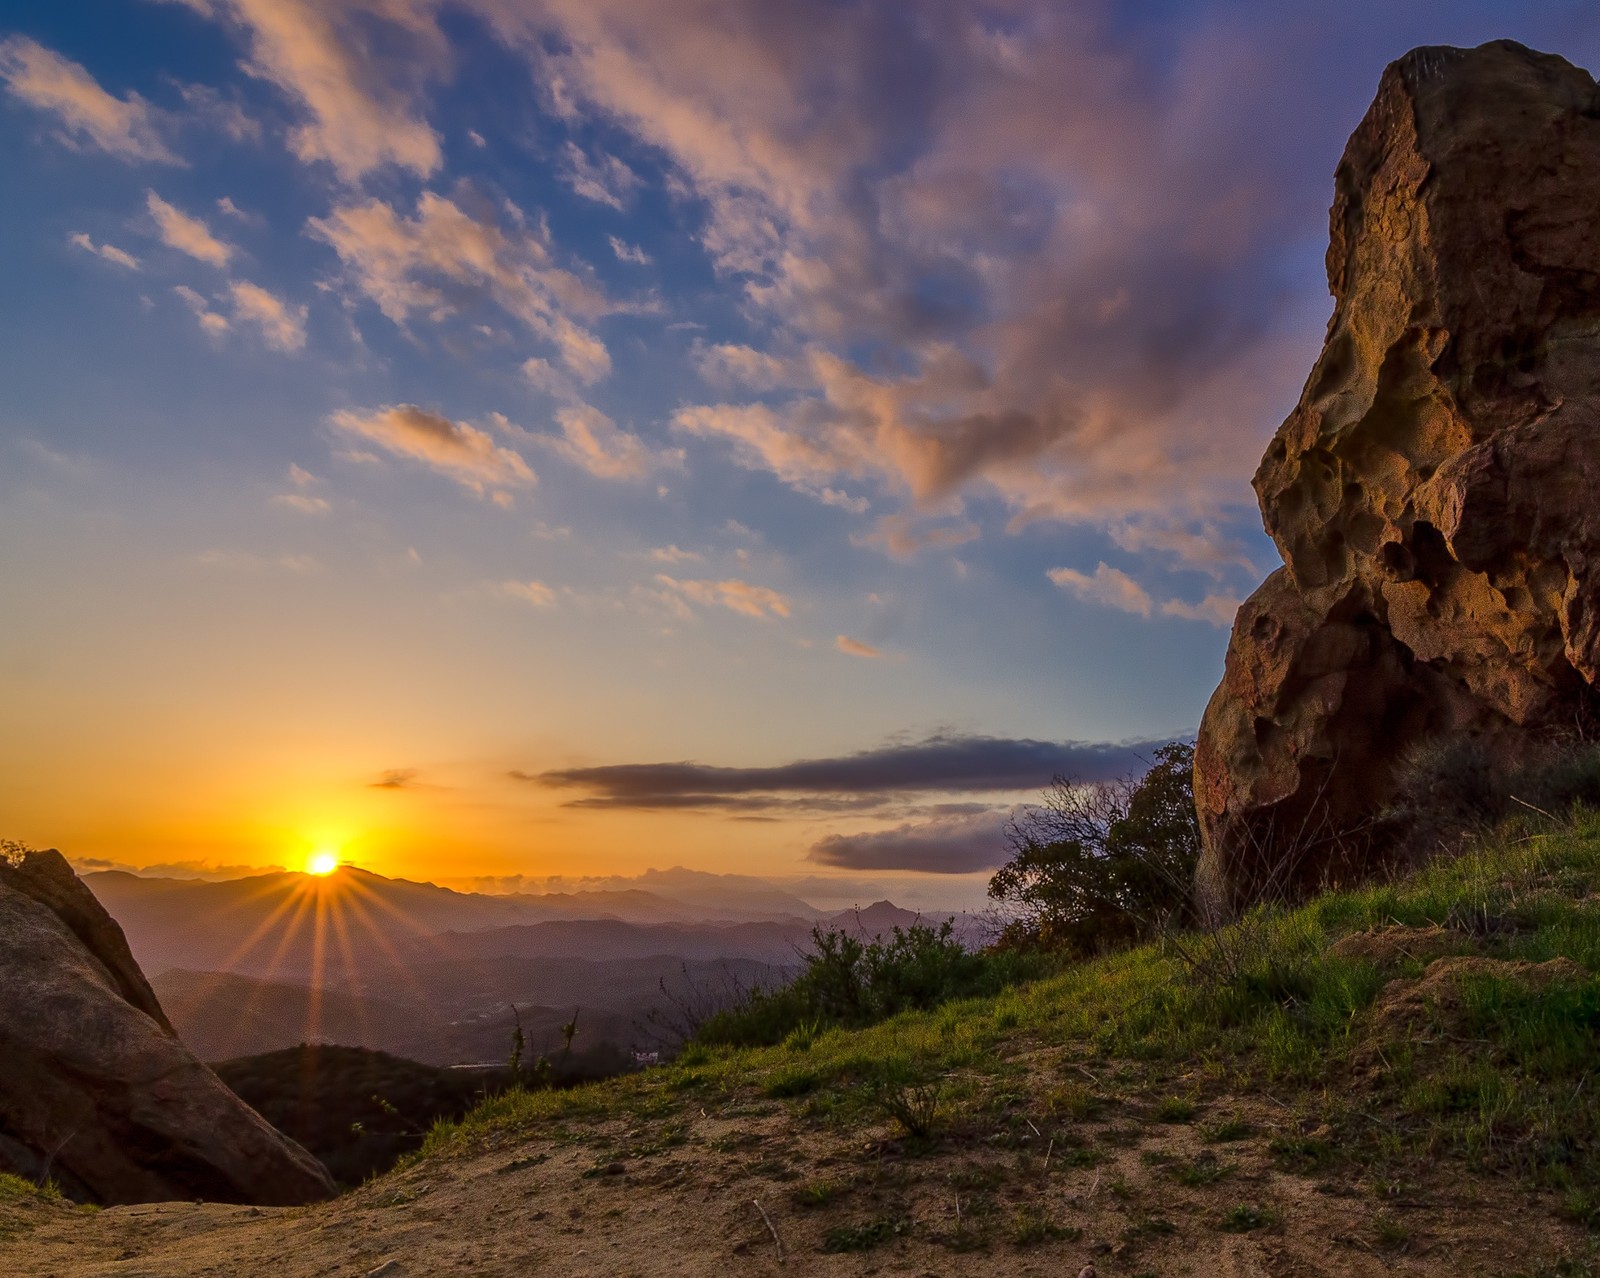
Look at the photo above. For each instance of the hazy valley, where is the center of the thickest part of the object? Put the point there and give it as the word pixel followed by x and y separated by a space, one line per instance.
pixel 253 965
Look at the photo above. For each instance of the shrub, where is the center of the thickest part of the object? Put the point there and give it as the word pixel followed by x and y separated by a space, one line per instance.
pixel 915 1106
pixel 852 982
pixel 1097 866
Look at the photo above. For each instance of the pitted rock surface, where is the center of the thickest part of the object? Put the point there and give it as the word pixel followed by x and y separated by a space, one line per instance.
pixel 1435 494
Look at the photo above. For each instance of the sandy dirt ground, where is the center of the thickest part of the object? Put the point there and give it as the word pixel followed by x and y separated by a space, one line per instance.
pixel 604 1199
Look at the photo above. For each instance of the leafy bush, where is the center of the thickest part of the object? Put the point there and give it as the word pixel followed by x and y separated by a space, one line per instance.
pixel 848 981
pixel 1097 866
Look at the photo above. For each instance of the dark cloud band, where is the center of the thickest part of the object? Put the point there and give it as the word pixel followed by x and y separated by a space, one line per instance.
pixel 944 764
pixel 945 845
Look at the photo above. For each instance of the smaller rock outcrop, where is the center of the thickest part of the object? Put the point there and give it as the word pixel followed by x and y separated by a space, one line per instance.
pixel 96 1091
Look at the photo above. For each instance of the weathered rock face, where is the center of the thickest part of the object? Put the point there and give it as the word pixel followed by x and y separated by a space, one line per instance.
pixel 1435 494
pixel 95 1088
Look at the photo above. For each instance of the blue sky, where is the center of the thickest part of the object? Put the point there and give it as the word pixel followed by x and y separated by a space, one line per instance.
pixel 448 391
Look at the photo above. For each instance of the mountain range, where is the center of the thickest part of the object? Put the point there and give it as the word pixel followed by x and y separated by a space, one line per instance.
pixel 257 964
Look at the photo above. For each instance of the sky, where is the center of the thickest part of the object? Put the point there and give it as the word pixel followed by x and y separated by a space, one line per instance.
pixel 513 439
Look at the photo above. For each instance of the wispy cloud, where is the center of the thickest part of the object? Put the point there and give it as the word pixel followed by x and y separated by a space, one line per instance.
pixel 427 264
pixel 672 555
pixel 1107 586
pixel 1214 610
pixel 396 779
pixel 228 208
pixel 282 326
pixel 855 648
pixel 904 536
pixel 729 364
pixel 532 592
pixel 358 95
pixel 110 252
pixel 187 234
pixel 210 108
pixel 733 594
pixel 212 324
pixel 593 441
pixel 603 179
pixel 305 503
pixel 461 451
pixel 1064 242
pixel 124 127
pixel 626 252
pixel 1112 588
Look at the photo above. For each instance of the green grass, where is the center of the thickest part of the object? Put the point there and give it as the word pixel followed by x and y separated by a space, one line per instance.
pixel 861 1237
pixel 1246 1218
pixel 1202 1171
pixel 15 1190
pixel 1261 1005
pixel 1030 1227
pixel 18 1196
pixel 1175 1109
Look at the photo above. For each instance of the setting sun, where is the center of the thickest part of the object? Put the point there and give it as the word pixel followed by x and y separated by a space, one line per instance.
pixel 322 863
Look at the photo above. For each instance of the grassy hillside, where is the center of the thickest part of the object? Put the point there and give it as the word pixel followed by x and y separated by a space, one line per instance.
pixel 1372 1041
pixel 1394 1079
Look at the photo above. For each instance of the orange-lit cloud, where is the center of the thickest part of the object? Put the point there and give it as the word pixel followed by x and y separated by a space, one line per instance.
pixel 305 503
pixel 1107 586
pixel 282 326
pixel 418 265
pixel 1214 610
pixel 124 127
pixel 211 323
pixel 904 536
pixel 361 108
pixel 534 592
pixel 464 453
pixel 1112 588
pixel 733 594
pixel 734 364
pixel 187 234
pixel 110 252
pixel 593 441
pixel 855 648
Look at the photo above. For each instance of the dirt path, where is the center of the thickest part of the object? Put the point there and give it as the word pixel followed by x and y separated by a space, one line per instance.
pixel 607 1199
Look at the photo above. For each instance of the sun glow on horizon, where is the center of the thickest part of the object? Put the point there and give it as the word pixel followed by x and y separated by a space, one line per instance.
pixel 322 863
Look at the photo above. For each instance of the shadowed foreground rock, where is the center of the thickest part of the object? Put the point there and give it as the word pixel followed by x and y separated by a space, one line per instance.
pixel 1435 495
pixel 96 1091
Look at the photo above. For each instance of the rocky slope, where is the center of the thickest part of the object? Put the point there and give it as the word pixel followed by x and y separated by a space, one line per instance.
pixel 1433 492
pixel 96 1091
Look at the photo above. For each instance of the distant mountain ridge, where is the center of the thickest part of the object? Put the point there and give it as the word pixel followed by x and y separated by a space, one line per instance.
pixel 263 963
pixel 290 925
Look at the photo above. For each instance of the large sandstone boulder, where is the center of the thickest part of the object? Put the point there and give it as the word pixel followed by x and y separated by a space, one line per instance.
pixel 96 1091
pixel 1435 494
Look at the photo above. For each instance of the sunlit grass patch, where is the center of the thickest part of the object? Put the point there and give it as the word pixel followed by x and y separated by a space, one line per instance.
pixel 1088 1057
